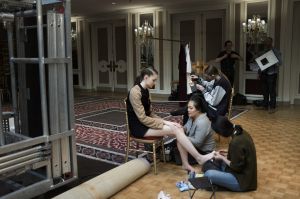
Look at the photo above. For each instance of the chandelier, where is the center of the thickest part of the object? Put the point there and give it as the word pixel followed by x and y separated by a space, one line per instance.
pixel 73 34
pixel 255 29
pixel 144 34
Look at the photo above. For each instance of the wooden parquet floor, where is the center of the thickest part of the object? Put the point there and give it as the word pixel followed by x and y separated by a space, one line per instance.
pixel 277 140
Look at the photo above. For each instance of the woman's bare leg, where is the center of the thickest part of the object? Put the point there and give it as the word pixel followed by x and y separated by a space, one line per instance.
pixel 182 139
pixel 184 158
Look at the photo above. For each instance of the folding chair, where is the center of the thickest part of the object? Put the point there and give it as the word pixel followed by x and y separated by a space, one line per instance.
pixel 201 183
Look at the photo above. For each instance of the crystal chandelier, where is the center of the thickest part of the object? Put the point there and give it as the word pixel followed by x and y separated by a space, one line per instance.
pixel 144 34
pixel 255 29
pixel 73 34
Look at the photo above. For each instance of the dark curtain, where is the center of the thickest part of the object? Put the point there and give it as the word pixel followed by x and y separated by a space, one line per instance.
pixel 182 74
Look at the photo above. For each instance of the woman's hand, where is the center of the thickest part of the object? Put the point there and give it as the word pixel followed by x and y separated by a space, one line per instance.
pixel 218 156
pixel 168 123
pixel 199 87
pixel 194 77
pixel 234 56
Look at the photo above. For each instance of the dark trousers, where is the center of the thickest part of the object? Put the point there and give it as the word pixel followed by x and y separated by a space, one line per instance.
pixel 269 83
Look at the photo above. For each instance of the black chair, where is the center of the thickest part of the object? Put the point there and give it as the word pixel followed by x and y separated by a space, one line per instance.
pixel 202 183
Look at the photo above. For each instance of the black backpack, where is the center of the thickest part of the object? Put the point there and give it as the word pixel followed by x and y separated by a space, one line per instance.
pixel 239 99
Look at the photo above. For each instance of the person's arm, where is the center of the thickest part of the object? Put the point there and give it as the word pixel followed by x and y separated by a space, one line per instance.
pixel 187 126
pixel 199 136
pixel 219 156
pixel 205 86
pixel 221 56
pixel 237 157
pixel 235 55
pixel 215 96
pixel 135 100
pixel 152 114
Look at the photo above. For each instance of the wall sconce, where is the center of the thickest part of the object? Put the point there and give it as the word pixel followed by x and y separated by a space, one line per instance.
pixel 255 29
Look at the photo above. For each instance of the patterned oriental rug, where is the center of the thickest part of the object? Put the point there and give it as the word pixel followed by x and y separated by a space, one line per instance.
pixel 101 127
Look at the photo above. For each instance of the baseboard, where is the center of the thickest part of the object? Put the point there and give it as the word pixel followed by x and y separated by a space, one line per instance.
pixel 297 101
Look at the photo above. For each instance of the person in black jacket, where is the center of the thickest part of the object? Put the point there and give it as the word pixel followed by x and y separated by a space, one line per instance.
pixel 227 58
pixel 215 89
pixel 238 170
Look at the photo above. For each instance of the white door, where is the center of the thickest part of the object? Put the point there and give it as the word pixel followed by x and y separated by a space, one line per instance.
pixel 213 37
pixel 204 31
pixel 109 56
pixel 295 51
pixel 186 28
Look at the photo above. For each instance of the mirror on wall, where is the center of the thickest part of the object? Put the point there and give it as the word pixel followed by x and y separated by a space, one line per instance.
pixel 74 52
pixel 146 44
pixel 254 47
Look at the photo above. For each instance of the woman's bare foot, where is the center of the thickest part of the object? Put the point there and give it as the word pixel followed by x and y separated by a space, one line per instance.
pixel 188 168
pixel 205 158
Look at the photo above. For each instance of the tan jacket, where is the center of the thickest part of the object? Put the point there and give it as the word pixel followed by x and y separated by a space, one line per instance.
pixel 152 121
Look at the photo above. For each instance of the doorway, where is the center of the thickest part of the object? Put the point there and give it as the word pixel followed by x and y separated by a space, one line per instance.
pixel 109 55
pixel 204 31
pixel 295 52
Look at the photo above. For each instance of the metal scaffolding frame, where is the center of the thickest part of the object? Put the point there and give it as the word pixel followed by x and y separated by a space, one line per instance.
pixel 55 150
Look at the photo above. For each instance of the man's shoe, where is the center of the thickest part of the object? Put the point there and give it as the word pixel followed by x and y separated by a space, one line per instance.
pixel 265 108
pixel 272 110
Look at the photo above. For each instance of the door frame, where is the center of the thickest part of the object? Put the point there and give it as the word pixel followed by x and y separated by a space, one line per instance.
pixel 200 33
pixel 103 64
pixel 212 15
pixel 122 64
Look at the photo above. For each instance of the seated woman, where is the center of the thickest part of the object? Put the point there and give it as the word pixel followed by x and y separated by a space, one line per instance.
pixel 237 171
pixel 144 123
pixel 198 126
pixel 215 89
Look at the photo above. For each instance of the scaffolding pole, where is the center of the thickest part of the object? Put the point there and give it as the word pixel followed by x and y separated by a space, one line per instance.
pixel 53 96
pixel 9 28
pixel 56 91
pixel 67 5
pixel 63 93
pixel 42 67
pixel 2 141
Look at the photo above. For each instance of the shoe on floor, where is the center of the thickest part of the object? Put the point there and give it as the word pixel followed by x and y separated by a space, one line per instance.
pixel 272 110
pixel 262 108
pixel 163 195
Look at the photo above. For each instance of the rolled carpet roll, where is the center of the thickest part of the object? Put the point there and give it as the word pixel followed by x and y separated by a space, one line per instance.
pixel 110 182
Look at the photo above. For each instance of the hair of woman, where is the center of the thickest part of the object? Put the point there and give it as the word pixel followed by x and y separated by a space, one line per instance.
pixel 211 70
pixel 199 103
pixel 145 71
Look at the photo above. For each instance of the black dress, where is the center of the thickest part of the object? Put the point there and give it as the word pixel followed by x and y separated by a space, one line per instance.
pixel 138 129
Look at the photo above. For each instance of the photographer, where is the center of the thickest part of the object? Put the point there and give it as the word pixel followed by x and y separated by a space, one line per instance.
pixel 269 78
pixel 227 58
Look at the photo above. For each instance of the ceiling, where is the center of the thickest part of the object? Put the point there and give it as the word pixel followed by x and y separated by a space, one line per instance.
pixel 98 7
